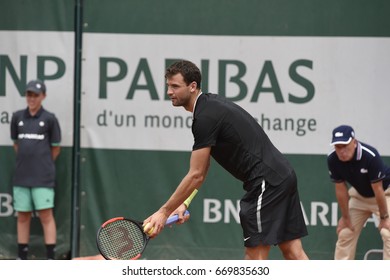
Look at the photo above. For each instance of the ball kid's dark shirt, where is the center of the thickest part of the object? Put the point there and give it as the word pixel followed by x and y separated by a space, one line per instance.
pixel 35 135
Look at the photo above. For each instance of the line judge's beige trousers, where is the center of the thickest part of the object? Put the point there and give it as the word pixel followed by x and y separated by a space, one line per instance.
pixel 360 209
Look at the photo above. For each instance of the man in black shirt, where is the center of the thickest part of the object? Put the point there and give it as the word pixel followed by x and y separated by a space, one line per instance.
pixel 270 211
pixel 361 166
pixel 36 134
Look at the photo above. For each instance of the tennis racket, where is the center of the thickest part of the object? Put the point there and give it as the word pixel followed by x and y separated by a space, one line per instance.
pixel 124 239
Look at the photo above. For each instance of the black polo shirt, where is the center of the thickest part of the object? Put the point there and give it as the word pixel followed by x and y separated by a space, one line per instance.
pixel 365 168
pixel 35 135
pixel 237 141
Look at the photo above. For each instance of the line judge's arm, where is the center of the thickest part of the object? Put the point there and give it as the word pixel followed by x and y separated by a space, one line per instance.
pixel 380 197
pixel 343 199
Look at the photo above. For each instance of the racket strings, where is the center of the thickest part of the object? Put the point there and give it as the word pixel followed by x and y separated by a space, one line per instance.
pixel 121 239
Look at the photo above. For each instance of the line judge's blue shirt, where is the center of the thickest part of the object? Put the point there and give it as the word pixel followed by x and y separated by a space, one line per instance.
pixel 366 167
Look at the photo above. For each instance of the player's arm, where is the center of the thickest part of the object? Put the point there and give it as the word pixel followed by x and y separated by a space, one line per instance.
pixel 343 199
pixel 380 198
pixel 199 165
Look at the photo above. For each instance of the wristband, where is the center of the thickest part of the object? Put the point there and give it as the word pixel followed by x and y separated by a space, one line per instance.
pixel 385 216
pixel 187 202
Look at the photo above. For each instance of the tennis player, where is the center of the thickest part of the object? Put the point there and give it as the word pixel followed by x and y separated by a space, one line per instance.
pixel 270 211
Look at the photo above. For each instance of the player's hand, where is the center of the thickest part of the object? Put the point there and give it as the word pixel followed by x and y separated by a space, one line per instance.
pixel 180 212
pixel 155 224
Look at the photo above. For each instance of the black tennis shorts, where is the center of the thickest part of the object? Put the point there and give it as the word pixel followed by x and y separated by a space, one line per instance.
pixel 271 215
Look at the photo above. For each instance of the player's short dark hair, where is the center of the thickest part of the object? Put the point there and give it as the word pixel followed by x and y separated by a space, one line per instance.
pixel 187 69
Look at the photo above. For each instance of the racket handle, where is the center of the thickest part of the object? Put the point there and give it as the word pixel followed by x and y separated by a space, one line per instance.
pixel 173 219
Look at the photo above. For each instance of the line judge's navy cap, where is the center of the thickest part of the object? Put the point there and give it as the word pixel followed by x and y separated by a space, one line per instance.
pixel 342 134
pixel 36 86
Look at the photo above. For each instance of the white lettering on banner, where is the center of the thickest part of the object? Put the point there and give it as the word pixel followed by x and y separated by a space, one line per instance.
pixel 214 211
pixel 296 96
pixel 6 208
pixel 321 213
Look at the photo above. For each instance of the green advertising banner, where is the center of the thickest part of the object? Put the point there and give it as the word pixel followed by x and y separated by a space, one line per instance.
pixel 300 68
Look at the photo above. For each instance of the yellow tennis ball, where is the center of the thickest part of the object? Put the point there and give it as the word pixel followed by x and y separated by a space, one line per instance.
pixel 148 230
